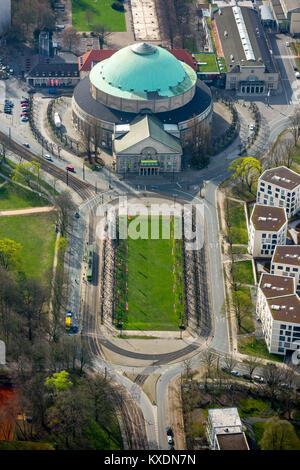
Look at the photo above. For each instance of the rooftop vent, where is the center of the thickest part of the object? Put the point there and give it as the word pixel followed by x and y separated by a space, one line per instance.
pixel 275 307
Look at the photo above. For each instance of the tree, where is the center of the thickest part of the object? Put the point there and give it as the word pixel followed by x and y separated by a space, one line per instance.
pixel 229 363
pixel 10 257
pixel 295 125
pixel 64 204
pixel 26 173
pixel 59 381
pixel 279 435
pixel 70 38
pixel 32 299
pixel 242 305
pixel 246 169
pixel 102 32
pixel 274 376
pixel 251 364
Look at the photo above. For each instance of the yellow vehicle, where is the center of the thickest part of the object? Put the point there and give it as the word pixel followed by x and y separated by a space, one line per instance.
pixel 68 322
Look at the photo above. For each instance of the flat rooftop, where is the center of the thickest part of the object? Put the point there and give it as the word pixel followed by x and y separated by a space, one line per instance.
pixel 282 177
pixel 277 8
pixel 276 286
pixel 232 442
pixel 224 419
pixel 285 309
pixel 267 218
pixel 287 254
pixel 231 40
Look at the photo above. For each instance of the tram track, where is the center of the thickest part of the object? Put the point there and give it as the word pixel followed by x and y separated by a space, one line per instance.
pixel 84 189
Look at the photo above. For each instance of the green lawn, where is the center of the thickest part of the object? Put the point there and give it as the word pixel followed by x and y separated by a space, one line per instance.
pixel 247 322
pixel 152 288
pixel 237 219
pixel 13 197
pixel 244 272
pixel 256 347
pixel 36 233
pixel 210 60
pixel 251 407
pixel 99 11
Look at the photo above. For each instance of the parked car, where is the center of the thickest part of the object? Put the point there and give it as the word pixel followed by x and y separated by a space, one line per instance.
pixel 9 103
pixel 170 440
pixel 171 447
pixel 295 68
pixel 169 431
pixel 77 215
pixel 24 100
pixel 48 157
pixel 26 145
pixel 252 127
pixel 247 376
pixel 297 74
pixel 24 104
pixel 235 372
pixel 24 119
pixel 258 378
pixel 287 44
pixel 24 113
pixel 70 168
pixel 7 111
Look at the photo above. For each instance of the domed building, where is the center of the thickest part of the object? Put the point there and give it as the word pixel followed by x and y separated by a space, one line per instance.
pixel 144 100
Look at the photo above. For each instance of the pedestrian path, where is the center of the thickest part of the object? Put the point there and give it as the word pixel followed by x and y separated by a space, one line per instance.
pixel 32 210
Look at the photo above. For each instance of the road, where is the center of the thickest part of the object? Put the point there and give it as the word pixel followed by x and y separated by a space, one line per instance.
pixel 150 421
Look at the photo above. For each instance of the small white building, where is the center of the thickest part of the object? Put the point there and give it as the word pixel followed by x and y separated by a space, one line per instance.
pixel 5 16
pixel 279 187
pixel 225 430
pixel 267 229
pixel 278 308
pixel 286 262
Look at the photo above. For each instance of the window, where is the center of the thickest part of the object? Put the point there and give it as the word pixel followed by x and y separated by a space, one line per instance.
pixel 283 327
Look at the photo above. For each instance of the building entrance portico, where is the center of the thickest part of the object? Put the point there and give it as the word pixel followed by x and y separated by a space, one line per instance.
pixel 149 168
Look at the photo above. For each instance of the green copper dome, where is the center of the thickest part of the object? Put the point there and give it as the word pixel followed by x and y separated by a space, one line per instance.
pixel 140 69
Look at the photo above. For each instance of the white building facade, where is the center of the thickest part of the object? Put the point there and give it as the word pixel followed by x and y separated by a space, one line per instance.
pixel 278 308
pixel 286 262
pixel 267 229
pixel 279 187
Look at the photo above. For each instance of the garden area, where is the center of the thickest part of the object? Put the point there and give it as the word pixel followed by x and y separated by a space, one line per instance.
pixel 90 12
pixel 256 347
pixel 36 233
pixel 236 222
pixel 244 272
pixel 149 279
pixel 13 197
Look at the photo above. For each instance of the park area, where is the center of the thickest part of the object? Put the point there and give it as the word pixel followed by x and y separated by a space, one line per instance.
pixel 86 13
pixel 149 280
pixel 36 234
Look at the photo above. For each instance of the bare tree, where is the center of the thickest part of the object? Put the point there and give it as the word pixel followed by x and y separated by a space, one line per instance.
pixel 102 32
pixel 65 206
pixel 295 125
pixel 251 364
pixel 70 38
pixel 229 363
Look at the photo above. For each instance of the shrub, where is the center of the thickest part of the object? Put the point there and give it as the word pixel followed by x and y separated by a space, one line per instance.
pixel 118 6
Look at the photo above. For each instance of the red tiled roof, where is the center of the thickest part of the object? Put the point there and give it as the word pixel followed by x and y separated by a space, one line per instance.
pixel 97 55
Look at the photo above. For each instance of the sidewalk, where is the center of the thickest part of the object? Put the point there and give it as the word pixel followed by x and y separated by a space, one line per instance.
pixel 33 210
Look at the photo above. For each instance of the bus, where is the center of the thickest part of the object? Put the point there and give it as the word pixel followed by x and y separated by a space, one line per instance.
pixel 90 262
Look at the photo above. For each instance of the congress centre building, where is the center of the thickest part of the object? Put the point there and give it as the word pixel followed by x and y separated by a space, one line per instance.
pixel 145 101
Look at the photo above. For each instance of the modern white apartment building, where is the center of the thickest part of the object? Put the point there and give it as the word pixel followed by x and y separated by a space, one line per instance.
pixel 279 187
pixel 267 228
pixel 286 262
pixel 5 16
pixel 278 308
pixel 225 430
